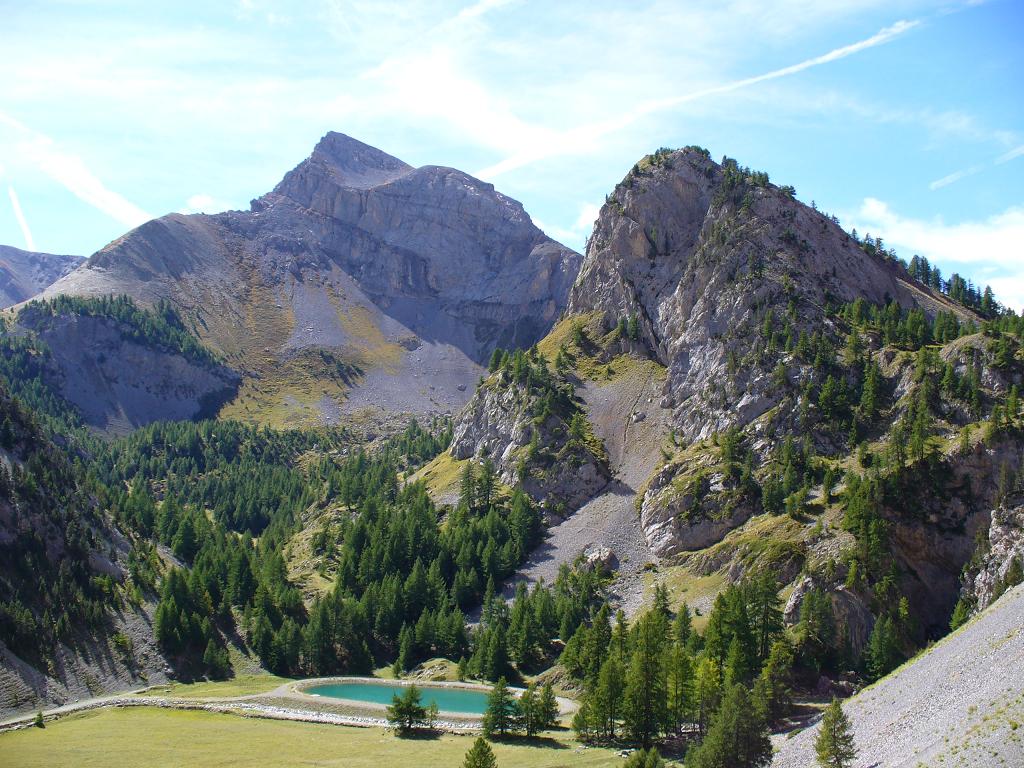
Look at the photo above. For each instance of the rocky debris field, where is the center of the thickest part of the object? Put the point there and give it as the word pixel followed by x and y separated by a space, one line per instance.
pixel 960 703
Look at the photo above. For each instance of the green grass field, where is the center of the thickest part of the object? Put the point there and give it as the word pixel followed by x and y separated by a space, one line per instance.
pixel 240 685
pixel 141 737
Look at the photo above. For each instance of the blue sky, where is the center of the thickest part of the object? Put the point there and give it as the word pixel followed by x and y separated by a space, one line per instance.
pixel 904 118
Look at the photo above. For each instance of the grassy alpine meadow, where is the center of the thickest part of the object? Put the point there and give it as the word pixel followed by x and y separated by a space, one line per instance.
pixel 240 685
pixel 144 737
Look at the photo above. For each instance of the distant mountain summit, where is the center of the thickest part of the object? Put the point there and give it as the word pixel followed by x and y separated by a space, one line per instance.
pixel 23 274
pixel 358 282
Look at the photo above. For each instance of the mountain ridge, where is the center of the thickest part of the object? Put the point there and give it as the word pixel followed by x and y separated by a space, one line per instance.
pixel 23 274
pixel 410 275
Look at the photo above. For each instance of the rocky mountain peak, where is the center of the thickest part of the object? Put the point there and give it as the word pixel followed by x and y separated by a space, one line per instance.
pixel 700 253
pixel 411 275
pixel 346 163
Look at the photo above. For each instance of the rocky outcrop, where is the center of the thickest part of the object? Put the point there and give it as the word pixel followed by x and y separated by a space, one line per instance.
pixel 502 423
pixel 682 509
pixel 699 254
pixel 851 612
pixel 412 274
pixel 23 274
pixel 1001 555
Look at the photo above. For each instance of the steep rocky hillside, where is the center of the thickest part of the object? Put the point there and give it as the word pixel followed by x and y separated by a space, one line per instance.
pixel 960 703
pixel 774 394
pixel 75 620
pixel 700 255
pixel 118 366
pixel 358 283
pixel 23 274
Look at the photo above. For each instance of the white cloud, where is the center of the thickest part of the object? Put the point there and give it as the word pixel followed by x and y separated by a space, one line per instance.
pixel 994 245
pixel 1009 290
pixel 576 235
pixel 584 137
pixel 204 203
pixel 588 215
pixel 30 243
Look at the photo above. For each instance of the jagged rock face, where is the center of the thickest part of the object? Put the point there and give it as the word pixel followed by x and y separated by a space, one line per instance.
pixel 1005 544
pixel 413 274
pixel 699 260
pixel 681 514
pixel 118 384
pixel 498 423
pixel 23 274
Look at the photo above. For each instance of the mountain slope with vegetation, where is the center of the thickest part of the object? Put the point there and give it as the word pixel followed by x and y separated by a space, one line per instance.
pixel 826 412
pixel 756 461
pixel 75 593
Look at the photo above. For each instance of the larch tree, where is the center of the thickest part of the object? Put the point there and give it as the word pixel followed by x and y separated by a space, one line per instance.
pixel 834 746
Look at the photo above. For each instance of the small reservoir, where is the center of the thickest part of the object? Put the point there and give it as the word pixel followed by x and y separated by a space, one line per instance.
pixel 463 701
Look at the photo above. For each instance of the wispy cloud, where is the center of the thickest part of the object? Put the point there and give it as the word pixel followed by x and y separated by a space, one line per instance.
pixel 586 135
pixel 1006 157
pixel 954 177
pixel 71 172
pixel 480 8
pixel 576 235
pixel 30 242
pixel 1011 155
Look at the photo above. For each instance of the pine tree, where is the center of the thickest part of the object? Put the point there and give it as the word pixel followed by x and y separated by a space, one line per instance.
pixel 644 758
pixel 772 686
pixel 680 687
pixel 644 700
pixel 737 737
pixel 707 692
pixel 607 696
pixel 480 755
pixel 882 653
pixel 406 711
pixel 683 625
pixel 834 745
pixel 529 706
pixel 503 712
pixel 548 707
pixel 467 486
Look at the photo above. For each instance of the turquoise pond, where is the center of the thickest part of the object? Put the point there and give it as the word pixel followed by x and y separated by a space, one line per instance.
pixel 460 700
